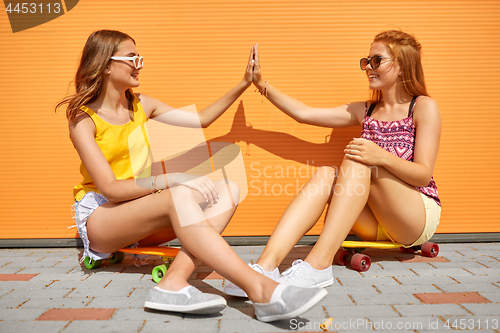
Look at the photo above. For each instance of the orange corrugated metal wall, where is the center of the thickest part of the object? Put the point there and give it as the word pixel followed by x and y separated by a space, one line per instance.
pixel 196 50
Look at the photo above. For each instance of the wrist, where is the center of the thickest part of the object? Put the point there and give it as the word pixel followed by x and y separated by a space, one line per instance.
pixel 261 84
pixel 245 84
pixel 171 179
pixel 385 159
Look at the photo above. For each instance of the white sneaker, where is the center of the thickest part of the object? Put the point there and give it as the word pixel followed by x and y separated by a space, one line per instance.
pixel 288 302
pixel 233 290
pixel 187 300
pixel 301 274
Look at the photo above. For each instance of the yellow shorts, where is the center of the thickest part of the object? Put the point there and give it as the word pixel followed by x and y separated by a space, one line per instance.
pixel 432 217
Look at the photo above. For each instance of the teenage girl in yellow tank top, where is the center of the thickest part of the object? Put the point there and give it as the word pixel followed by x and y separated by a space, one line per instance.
pixel 112 211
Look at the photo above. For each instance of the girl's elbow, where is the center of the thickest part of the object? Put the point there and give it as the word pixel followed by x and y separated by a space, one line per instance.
pixel 111 198
pixel 205 123
pixel 301 119
pixel 110 195
pixel 424 181
pixel 422 184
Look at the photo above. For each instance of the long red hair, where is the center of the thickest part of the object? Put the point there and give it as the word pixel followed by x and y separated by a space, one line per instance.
pixel 407 52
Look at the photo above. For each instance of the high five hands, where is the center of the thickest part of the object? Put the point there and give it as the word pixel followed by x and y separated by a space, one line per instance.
pixel 253 71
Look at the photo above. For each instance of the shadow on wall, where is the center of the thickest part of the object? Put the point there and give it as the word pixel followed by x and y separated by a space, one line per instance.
pixel 289 147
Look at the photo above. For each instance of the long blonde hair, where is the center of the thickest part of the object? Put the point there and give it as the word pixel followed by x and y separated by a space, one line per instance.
pixel 96 54
pixel 407 53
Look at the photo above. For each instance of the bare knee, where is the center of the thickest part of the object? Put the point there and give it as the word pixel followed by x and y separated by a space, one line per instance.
pixel 175 196
pixel 235 191
pixel 231 187
pixel 181 192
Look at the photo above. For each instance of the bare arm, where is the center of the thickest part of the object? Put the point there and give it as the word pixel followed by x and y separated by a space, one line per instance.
pixel 155 108
pixel 342 116
pixel 82 132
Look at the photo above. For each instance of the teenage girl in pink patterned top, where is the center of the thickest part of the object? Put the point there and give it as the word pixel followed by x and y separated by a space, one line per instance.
pixel 384 189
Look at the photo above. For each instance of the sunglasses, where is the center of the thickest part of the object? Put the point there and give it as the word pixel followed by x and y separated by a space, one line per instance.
pixel 136 60
pixel 374 62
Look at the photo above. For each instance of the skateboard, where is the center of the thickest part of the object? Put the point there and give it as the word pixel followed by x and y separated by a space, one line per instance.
pixel 350 252
pixel 167 254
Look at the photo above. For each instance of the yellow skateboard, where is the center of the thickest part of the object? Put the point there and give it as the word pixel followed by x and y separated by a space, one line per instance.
pixel 350 252
pixel 167 254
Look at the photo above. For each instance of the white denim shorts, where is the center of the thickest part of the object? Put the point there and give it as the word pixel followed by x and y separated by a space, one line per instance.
pixel 82 210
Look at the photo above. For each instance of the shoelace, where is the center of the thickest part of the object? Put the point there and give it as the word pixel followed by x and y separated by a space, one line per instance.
pixel 296 267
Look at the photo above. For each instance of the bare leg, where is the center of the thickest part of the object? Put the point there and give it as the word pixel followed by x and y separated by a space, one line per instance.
pixel 366 226
pixel 113 226
pixel 206 244
pixel 300 216
pixel 396 205
pixel 185 263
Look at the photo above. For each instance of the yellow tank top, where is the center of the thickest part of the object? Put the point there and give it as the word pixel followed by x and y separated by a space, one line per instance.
pixel 115 142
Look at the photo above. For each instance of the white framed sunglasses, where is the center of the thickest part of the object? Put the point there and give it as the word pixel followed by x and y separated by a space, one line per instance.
pixel 136 60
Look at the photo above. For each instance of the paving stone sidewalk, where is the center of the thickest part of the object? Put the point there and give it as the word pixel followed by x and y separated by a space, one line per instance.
pixel 47 290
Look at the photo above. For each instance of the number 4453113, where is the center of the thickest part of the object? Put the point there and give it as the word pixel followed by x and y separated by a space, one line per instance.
pixel 471 323
pixel 33 8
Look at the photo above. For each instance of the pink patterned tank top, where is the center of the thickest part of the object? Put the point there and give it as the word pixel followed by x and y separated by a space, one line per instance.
pixel 398 138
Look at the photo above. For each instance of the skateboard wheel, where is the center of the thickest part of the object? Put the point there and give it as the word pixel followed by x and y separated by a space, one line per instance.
pixel 361 262
pixel 116 257
pixel 91 263
pixel 430 249
pixel 159 272
pixel 341 258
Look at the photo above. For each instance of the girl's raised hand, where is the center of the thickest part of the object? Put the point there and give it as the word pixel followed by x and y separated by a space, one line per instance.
pixel 250 67
pixel 257 72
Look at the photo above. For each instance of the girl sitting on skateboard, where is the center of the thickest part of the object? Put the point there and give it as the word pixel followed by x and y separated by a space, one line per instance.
pixel 384 189
pixel 112 211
